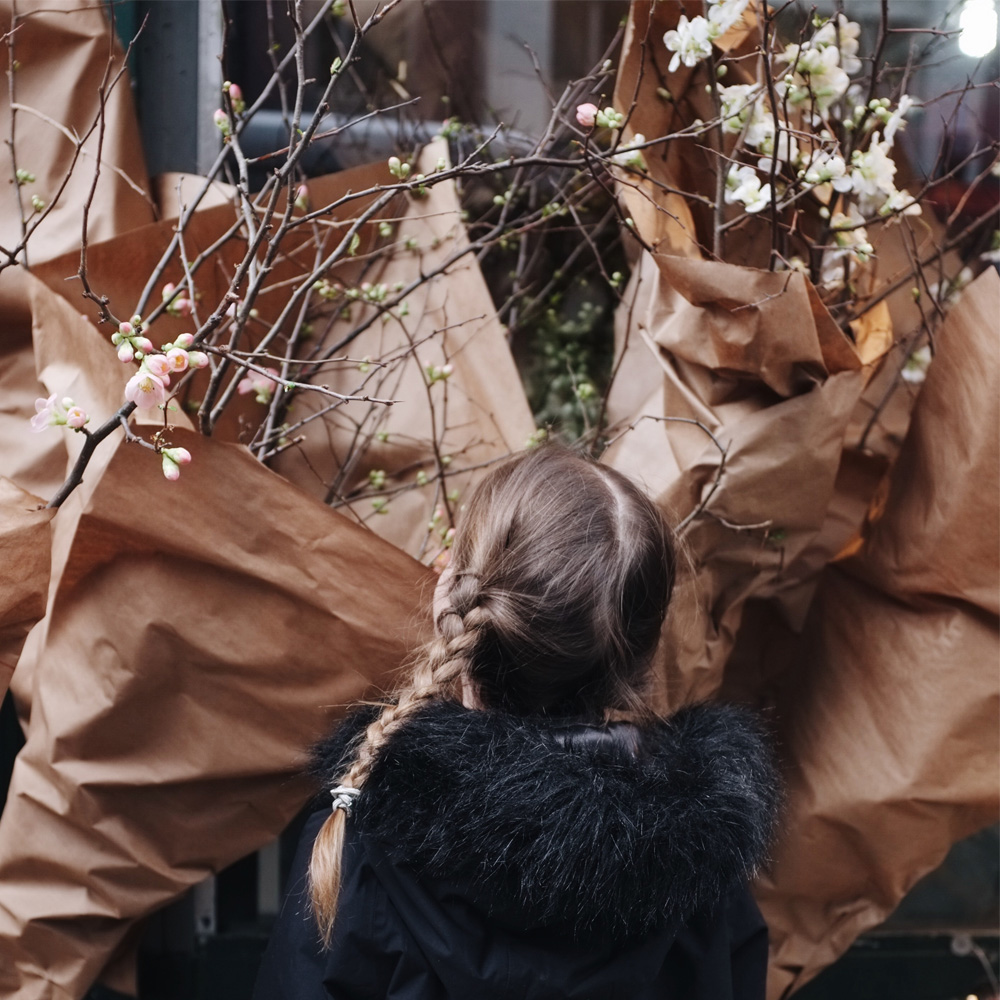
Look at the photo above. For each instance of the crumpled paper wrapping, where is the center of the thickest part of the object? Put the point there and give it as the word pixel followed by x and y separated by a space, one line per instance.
pixel 162 741
pixel 24 544
pixel 784 598
pixel 199 635
pixel 888 698
pixel 138 700
pixel 69 42
pixel 479 415
pixel 764 369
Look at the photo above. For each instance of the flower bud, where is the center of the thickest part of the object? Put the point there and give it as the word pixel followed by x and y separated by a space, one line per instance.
pixel 586 114
pixel 197 359
pixel 143 344
pixel 125 329
pixel 235 96
pixel 126 354
pixel 171 470
pixel 181 456
pixel 76 417
pixel 185 340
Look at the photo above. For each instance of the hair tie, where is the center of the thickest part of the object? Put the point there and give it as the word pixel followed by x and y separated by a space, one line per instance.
pixel 343 797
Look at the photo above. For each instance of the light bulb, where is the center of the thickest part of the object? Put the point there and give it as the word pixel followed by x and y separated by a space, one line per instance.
pixel 978 24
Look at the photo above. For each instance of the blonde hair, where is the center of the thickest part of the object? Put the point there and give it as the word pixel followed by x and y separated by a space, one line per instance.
pixel 562 570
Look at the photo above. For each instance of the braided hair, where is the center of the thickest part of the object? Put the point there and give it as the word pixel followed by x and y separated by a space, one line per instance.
pixel 560 576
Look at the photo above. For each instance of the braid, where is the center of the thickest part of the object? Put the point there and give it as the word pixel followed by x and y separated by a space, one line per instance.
pixel 437 674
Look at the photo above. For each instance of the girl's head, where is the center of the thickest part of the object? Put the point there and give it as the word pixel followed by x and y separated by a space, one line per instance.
pixel 560 575
pixel 559 579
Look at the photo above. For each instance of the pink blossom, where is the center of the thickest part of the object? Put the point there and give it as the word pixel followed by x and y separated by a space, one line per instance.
pixel 168 289
pixel 76 418
pixel 261 385
pixel 126 353
pixel 158 365
pixel 143 344
pixel 45 414
pixel 221 120
pixel 125 329
pixel 185 340
pixel 302 198
pixel 145 390
pixel 181 307
pixel 586 114
pixel 177 358
pixel 197 359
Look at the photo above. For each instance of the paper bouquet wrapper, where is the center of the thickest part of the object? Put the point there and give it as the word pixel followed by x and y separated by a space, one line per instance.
pixel 24 552
pixel 887 700
pixel 63 51
pixel 478 415
pixel 669 222
pixel 135 668
pixel 199 636
pixel 718 356
pixel 872 646
pixel 174 633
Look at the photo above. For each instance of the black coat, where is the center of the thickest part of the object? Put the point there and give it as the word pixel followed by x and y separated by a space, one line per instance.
pixel 493 856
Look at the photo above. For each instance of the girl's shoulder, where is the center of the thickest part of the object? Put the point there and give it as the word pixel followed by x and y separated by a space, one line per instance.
pixel 613 828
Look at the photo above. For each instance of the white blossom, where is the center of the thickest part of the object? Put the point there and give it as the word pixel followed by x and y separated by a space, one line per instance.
pixel 851 246
pixel 689 42
pixel 894 121
pixel 756 200
pixel 839 32
pixel 723 14
pixel 785 150
pixel 915 369
pixel 900 203
pixel 828 168
pixel 628 155
pixel 872 176
pixel 816 73
pixel 740 102
pixel 743 185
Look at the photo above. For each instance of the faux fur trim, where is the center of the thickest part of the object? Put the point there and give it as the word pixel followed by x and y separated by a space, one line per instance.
pixel 586 832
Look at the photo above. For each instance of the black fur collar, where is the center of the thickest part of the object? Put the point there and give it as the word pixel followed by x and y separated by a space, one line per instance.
pixel 556 829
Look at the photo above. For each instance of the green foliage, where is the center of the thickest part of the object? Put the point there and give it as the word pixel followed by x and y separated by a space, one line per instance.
pixel 569 358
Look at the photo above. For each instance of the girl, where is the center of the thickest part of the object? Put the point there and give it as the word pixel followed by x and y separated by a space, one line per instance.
pixel 517 823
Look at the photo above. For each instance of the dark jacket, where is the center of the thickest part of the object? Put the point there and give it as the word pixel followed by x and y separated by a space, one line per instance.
pixel 494 856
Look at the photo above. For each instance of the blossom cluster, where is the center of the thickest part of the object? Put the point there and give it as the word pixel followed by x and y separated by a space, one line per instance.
pixel 691 41
pixel 794 146
pixel 58 413
pixel 148 387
